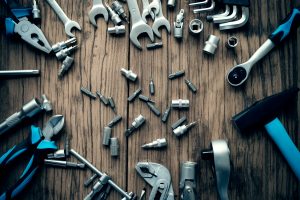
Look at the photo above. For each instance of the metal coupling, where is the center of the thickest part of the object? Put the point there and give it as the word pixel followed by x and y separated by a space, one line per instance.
pixel 196 26
pixel 106 136
pixel 166 114
pixel 129 74
pixel 88 93
pixel 145 98
pixel 155 45
pixel 118 8
pixel 187 184
pixel 178 122
pixel 180 104
pixel 64 44
pixel 153 108
pixel 113 15
pixel 232 42
pixel 65 52
pixel 178 24
pixel 151 87
pixel 180 130
pixel 117 30
pixel 66 65
pixel 102 98
pixel 171 3
pixel 114 147
pixel 65 164
pixel 158 143
pixel 114 121
pixel 134 95
pixel 36 13
pixel 176 74
pixel 138 122
pixel 191 86
pixel 211 44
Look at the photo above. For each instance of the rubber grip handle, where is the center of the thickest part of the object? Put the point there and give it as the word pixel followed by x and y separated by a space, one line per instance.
pixel 287 26
pixel 280 136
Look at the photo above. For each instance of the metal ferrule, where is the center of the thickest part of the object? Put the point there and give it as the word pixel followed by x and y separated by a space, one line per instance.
pixel 180 103
pixel 187 184
pixel 196 26
pixel 59 154
pixel 211 44
pixel 178 24
pixel 106 136
pixel 129 74
pixel 138 121
pixel 114 147
pixel 117 30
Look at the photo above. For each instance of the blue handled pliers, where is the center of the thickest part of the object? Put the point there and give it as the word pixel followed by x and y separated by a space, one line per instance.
pixel 38 145
pixel 19 24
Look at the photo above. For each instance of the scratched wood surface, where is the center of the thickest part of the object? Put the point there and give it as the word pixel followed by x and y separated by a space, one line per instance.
pixel 259 171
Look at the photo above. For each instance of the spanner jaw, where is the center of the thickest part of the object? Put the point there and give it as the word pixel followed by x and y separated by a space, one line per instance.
pixel 69 26
pixel 97 10
pixel 160 23
pixel 138 29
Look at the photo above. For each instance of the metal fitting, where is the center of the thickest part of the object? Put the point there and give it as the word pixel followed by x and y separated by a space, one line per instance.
pixel 176 74
pixel 117 30
pixel 187 184
pixel 178 24
pixel 113 15
pixel 103 99
pixel 153 108
pixel 232 42
pixel 180 130
pixel 112 103
pixel 114 147
pixel 106 136
pixel 59 154
pixel 64 44
pixel 129 74
pixel 65 52
pixel 66 65
pixel 46 105
pixel 88 93
pixel 166 115
pixel 196 26
pixel 191 86
pixel 36 13
pixel 155 45
pixel 180 103
pixel 178 122
pixel 90 180
pixel 159 143
pixel 171 3
pixel 151 87
pixel 211 44
pixel 134 95
pixel 118 8
pixel 65 164
pixel 101 183
pixel 114 121
pixel 139 121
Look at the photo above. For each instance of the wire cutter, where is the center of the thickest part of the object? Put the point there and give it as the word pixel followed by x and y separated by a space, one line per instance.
pixel 158 176
pixel 19 24
pixel 38 145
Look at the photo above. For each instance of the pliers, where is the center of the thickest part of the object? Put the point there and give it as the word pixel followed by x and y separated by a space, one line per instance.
pixel 38 145
pixel 20 25
pixel 158 176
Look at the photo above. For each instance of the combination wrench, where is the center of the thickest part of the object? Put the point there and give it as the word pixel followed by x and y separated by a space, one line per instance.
pixel 160 21
pixel 147 11
pixel 154 5
pixel 97 9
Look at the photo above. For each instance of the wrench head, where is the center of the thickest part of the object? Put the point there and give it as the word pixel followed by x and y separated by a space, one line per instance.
pixel 138 29
pixel 97 10
pixel 155 6
pixel 69 25
pixel 147 12
pixel 159 22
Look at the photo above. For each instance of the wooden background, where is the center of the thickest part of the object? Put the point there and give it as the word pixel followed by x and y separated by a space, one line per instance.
pixel 259 171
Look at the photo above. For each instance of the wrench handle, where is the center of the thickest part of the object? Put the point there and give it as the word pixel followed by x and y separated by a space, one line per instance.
pixel 58 10
pixel 134 11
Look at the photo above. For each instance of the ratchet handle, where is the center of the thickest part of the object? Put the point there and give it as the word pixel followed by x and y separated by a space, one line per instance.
pixel 288 25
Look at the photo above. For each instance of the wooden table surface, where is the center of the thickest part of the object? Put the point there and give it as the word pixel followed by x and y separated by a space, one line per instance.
pixel 258 171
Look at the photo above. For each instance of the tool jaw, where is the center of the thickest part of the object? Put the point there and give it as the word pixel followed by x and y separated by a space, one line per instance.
pixel 53 126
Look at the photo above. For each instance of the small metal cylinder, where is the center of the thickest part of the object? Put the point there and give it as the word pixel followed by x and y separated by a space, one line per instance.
pixel 232 42
pixel 180 103
pixel 88 93
pixel 116 30
pixel 153 108
pixel 114 121
pixel 129 74
pixel 178 122
pixel 114 147
pixel 166 115
pixel 196 26
pixel 65 52
pixel 134 95
pixel 36 13
pixel 211 44
pixel 171 3
pixel 66 65
pixel 106 136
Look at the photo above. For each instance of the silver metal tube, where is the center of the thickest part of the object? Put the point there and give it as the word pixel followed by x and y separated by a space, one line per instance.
pixel 32 72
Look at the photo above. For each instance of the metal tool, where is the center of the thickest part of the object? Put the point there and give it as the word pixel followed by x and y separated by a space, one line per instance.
pixel 114 147
pixel 102 98
pixel 154 6
pixel 36 13
pixel 138 25
pixel 112 104
pixel 178 25
pixel 145 98
pixel 65 164
pixel 180 103
pixel 211 44
pixel 190 85
pixel 143 194
pixel 117 30
pixel 38 144
pixel 68 23
pixel 128 74
pixel 171 3
pixel 158 143
pixel 61 153
pixel 114 121
pixel 64 44
pixel 113 15
pixel 160 21
pixel 118 8
pixel 96 171
pixel 219 154
pixel 158 176
pixel 137 123
pixel 134 95
pixel 178 122
pixel 46 105
pixel 98 187
pixel 155 45
pixel 90 180
pixel 205 9
pixel 180 130
pixel 232 42
pixel 264 113
pixel 196 26
pixel 176 74
pixel 225 16
pixel 106 136
pixel 151 87
pixel 147 11
pixel 62 54
pixel 166 114
pixel 237 75
pixel 28 111
pixel 88 93
pixel 97 9
pixel 19 24
pixel 187 184
pixel 153 108
pixel 66 65
pixel 19 73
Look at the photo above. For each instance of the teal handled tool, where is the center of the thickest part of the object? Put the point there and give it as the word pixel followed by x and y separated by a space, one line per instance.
pixel 38 145
pixel 264 113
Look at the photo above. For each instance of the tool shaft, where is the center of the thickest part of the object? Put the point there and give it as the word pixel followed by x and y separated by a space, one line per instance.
pixel 6 73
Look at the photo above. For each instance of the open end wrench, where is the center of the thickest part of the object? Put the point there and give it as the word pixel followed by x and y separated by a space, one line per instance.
pixel 69 24
pixel 138 25
pixel 147 11
pixel 97 9
pixel 160 21
pixel 154 5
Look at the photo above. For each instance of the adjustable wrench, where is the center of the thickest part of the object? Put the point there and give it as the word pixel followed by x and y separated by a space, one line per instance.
pixel 147 10
pixel 68 23
pixel 160 21
pixel 97 9
pixel 138 25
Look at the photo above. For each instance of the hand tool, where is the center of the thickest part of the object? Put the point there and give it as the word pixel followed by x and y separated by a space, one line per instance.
pixel 114 121
pixel 180 130
pixel 155 45
pixel 176 74
pixel 106 136
pixel 63 163
pixel 227 16
pixel 239 74
pixel 88 93
pixel 38 145
pixel 158 143
pixel 68 23
pixel 105 193
pixel 178 25
pixel 166 114
pixel 61 153
pixel 191 86
pixel 219 155
pixel 114 147
pixel 151 87
pixel 138 122
pixel 134 95
pixel 66 65
pixel 117 30
pixel 63 44
pixel 145 98
pixel 19 73
pixel 97 9
pixel 211 45
pixel 180 104
pixel 263 113
pixel 187 184
pixel 171 3
pixel 153 108
pixel 46 105
pixel 138 25
pixel 112 104
pixel 232 42
pixel 143 194
pixel 28 111
pixel 128 74
pixel 62 54
pixel 90 180
pixel 158 176
pixel 147 11
pixel 154 6
pixel 19 24
pixel 178 122
pixel 198 3
pixel 113 15
pixel 96 171
pixel 118 8
pixel 196 26
pixel 102 98
pixel 160 21
pixel 205 9
pixel 98 187
pixel 36 13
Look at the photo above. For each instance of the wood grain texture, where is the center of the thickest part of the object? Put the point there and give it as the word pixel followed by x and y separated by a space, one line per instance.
pixel 259 171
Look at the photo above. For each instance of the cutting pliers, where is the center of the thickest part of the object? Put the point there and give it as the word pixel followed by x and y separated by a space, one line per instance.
pixel 19 24
pixel 38 145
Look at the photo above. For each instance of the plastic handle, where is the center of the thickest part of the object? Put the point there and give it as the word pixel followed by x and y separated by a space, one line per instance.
pixel 289 24
pixel 278 133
